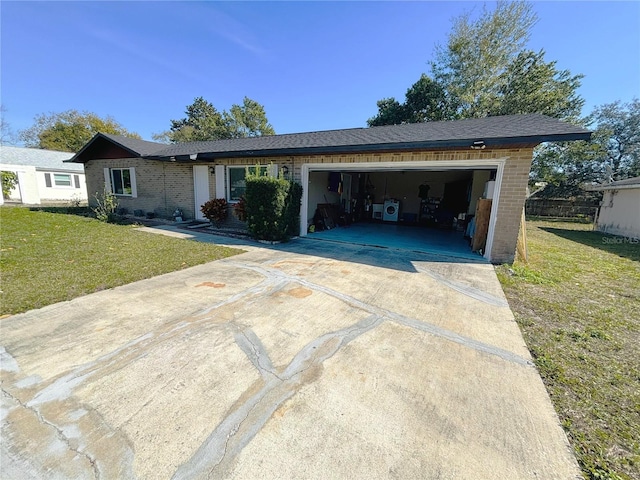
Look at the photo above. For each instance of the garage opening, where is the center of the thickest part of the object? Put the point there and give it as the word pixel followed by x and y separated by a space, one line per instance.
pixel 443 210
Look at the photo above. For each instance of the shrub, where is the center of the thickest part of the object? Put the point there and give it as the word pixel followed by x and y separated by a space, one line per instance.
pixel 9 181
pixel 272 207
pixel 292 209
pixel 106 206
pixel 215 210
pixel 240 209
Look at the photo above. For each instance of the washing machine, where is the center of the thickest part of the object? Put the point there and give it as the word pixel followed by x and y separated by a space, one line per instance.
pixel 391 210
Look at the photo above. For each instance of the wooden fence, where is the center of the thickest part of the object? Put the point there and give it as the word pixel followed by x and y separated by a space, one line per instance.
pixel 544 207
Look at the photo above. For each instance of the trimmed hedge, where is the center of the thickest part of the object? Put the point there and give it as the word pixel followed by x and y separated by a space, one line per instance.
pixel 272 207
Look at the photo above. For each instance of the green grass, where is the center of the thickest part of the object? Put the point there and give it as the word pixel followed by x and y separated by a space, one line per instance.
pixel 47 258
pixel 577 302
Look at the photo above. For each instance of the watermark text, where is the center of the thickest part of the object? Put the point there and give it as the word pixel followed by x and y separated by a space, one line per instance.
pixel 621 240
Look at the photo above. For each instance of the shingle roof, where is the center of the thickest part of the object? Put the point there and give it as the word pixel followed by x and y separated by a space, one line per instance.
pixel 44 159
pixel 141 147
pixel 493 131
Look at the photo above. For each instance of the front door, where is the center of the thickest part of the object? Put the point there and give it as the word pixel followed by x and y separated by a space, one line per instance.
pixel 200 188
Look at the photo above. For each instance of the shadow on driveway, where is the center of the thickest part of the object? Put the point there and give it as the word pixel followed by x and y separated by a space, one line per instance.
pixel 372 255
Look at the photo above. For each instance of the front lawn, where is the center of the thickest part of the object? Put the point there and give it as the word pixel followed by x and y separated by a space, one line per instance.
pixel 577 302
pixel 47 257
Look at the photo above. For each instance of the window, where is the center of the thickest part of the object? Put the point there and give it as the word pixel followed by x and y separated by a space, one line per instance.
pixel 121 181
pixel 236 185
pixel 61 180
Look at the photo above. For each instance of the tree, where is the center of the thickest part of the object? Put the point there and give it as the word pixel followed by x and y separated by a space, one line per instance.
pixel 478 54
pixel 566 166
pixel 612 154
pixel 485 70
pixel 204 122
pixel 619 124
pixel 248 120
pixel 69 131
pixel 531 85
pixel 7 135
pixel 390 112
pixel 424 101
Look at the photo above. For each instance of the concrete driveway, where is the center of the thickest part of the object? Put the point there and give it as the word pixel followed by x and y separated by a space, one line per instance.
pixel 304 361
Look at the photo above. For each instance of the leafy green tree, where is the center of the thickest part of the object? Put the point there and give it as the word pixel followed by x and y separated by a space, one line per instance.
pixel 531 85
pixel 566 166
pixel 424 101
pixel 390 112
pixel 472 65
pixel 619 125
pixel 485 70
pixel 248 120
pixel 204 122
pixel 612 154
pixel 69 131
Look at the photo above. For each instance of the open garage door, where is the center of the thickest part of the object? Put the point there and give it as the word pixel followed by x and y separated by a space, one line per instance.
pixel 424 206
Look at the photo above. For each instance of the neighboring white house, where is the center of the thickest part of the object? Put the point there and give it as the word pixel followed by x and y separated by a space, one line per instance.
pixel 619 212
pixel 43 177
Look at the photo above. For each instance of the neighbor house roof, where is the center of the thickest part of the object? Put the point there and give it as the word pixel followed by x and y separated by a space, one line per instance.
pixel 35 157
pixel 491 131
pixel 633 182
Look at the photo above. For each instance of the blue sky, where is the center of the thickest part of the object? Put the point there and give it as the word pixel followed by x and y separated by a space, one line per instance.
pixel 313 65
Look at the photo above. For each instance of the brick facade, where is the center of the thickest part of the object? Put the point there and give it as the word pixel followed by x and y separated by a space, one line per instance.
pixel 164 186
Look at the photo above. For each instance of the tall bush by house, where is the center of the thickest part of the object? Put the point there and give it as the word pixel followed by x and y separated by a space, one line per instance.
pixel 272 206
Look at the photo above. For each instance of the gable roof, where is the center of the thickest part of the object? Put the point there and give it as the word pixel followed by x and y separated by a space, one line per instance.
pixel 36 157
pixel 135 145
pixel 117 145
pixel 491 131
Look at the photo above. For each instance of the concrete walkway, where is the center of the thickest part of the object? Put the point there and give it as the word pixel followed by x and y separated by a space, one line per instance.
pixel 307 360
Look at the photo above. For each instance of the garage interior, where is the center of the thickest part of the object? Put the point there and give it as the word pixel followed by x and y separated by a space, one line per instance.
pixel 435 211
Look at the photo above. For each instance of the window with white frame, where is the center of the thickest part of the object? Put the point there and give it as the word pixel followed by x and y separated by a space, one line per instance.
pixel 236 185
pixel 121 181
pixel 61 180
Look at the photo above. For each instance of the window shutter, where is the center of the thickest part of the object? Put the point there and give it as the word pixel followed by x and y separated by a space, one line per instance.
pixel 134 189
pixel 76 181
pixel 47 179
pixel 220 184
pixel 273 170
pixel 107 180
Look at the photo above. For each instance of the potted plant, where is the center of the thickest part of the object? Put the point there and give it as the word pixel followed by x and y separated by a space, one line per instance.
pixel 215 210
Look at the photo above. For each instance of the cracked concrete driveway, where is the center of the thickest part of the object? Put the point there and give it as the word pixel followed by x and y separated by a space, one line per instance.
pixel 309 360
